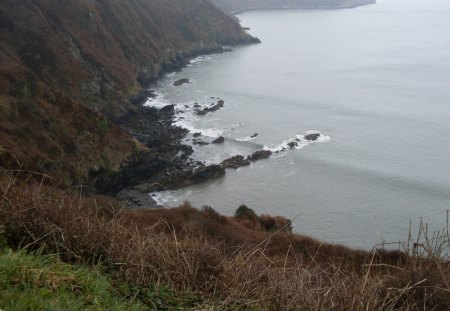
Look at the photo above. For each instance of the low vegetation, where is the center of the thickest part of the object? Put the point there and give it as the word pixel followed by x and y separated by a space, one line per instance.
pixel 33 281
pixel 189 259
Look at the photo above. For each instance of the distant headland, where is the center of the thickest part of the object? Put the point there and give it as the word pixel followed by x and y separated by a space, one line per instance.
pixel 239 6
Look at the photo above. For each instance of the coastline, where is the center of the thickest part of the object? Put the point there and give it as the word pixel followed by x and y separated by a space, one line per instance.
pixel 157 126
pixel 302 7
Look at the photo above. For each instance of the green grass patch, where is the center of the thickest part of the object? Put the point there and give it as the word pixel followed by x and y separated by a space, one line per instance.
pixel 32 281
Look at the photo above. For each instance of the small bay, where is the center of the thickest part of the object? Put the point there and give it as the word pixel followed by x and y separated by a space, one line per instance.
pixel 375 81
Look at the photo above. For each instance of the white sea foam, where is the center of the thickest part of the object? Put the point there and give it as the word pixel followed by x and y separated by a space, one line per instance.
pixel 187 124
pixel 165 198
pixel 300 141
pixel 201 59
pixel 158 101
pixel 248 138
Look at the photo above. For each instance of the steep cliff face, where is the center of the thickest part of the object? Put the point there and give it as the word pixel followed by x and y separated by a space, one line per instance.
pixel 67 67
pixel 236 6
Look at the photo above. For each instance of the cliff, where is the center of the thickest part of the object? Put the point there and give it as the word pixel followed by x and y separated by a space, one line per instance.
pixel 237 6
pixel 69 67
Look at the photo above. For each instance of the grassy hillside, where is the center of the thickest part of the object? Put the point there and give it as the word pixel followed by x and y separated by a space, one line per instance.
pixel 199 260
pixel 68 68
pixel 33 281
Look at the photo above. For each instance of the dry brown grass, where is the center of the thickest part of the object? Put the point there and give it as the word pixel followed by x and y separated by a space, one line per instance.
pixel 229 266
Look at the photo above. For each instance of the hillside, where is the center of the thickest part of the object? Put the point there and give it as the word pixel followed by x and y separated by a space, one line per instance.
pixel 68 68
pixel 188 259
pixel 236 6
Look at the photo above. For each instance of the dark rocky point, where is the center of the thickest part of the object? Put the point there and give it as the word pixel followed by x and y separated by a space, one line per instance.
pixel 259 155
pixel 213 108
pixel 235 162
pixel 168 110
pixel 219 140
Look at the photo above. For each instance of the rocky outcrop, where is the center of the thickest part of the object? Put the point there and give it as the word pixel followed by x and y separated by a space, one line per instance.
pixel 312 137
pixel 219 140
pixel 293 144
pixel 238 6
pixel 239 160
pixel 235 162
pixel 260 155
pixel 214 107
pixel 182 81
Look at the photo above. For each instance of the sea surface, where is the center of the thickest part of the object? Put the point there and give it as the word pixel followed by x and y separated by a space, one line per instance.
pixel 374 81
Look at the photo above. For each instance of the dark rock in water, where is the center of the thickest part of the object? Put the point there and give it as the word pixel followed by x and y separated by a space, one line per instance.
pixel 196 105
pixel 312 137
pixel 254 135
pixel 198 134
pixel 181 82
pixel 213 108
pixel 168 110
pixel 297 139
pixel 259 155
pixel 235 162
pixel 186 106
pixel 202 112
pixel 219 140
pixel 293 144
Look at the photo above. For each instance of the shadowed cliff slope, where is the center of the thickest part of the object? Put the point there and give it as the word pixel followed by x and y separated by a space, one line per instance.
pixel 236 6
pixel 68 67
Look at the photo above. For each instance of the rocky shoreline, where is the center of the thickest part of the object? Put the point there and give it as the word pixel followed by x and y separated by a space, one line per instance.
pixel 169 166
pixel 167 163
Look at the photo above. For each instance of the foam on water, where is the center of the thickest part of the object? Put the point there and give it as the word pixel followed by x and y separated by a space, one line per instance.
pixel 158 101
pixel 247 138
pixel 301 141
pixel 165 199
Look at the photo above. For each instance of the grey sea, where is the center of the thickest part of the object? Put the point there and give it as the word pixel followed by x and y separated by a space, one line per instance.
pixel 374 81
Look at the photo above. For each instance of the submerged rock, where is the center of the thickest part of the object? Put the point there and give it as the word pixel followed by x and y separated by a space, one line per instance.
pixel 181 82
pixel 254 135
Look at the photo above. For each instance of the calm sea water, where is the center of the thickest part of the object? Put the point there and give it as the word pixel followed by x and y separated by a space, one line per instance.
pixel 375 80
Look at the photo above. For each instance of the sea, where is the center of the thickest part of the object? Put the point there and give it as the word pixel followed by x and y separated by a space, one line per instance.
pixel 374 81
